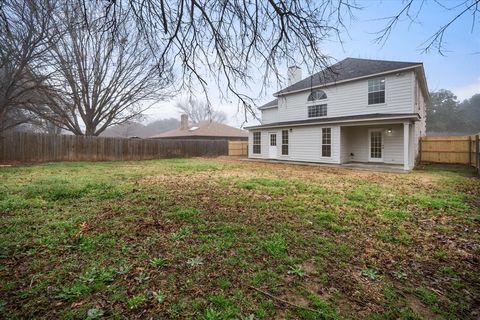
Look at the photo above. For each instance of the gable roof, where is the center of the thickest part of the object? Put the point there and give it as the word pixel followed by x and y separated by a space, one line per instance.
pixel 348 69
pixel 205 129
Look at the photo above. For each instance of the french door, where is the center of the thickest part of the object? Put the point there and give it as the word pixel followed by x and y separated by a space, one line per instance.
pixel 375 145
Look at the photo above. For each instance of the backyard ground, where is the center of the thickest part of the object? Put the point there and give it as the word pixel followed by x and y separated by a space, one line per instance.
pixel 225 239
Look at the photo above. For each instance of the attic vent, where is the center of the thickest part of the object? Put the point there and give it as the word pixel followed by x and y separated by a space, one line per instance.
pixel 193 129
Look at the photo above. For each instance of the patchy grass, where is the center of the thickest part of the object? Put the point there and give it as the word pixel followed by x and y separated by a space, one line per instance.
pixel 223 239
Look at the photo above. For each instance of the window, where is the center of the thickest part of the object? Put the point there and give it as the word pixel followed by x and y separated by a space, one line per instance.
pixel 318 110
pixel 284 142
pixel 273 139
pixel 256 142
pixel 376 91
pixel 326 142
pixel 317 95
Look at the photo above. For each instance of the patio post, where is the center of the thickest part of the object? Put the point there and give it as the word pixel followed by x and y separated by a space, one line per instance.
pixel 406 131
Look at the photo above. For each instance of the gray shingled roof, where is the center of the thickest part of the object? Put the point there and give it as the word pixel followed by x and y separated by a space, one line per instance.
pixel 269 104
pixel 346 69
pixel 363 117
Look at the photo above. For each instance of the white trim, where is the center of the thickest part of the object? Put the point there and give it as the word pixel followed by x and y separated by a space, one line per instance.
pixel 268 107
pixel 416 118
pixel 370 159
pixel 276 94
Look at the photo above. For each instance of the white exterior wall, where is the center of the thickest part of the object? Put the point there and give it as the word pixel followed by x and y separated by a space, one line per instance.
pixel 305 144
pixel 269 115
pixel 346 99
pixel 264 145
pixel 420 126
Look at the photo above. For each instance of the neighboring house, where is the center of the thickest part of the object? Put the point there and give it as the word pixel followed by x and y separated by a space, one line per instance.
pixel 210 130
pixel 358 110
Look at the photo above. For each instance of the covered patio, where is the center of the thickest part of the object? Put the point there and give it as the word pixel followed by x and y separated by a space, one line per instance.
pixel 375 145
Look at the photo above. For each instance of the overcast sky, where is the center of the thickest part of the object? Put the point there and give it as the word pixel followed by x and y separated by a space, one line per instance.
pixel 457 70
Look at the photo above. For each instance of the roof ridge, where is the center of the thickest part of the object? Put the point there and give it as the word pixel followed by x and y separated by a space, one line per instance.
pixel 381 60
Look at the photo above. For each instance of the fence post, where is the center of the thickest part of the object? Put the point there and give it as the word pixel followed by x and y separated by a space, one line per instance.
pixel 469 150
pixel 420 150
pixel 477 153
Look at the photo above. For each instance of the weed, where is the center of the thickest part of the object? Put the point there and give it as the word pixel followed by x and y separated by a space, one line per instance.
pixel 135 301
pixel 194 262
pixel 400 275
pixel 159 296
pixel 370 273
pixel 297 270
pixel 158 262
pixel 94 313
pixel 142 278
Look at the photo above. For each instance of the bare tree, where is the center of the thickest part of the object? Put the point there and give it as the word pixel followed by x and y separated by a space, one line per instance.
pixel 229 41
pixel 96 82
pixel 232 40
pixel 411 10
pixel 24 39
pixel 198 110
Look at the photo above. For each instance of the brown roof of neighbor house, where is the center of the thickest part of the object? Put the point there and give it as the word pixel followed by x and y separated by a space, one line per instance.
pixel 205 129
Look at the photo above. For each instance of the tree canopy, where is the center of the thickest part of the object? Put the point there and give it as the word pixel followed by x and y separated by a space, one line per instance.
pixel 445 114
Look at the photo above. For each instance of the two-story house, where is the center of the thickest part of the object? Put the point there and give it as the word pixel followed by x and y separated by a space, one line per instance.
pixel 357 110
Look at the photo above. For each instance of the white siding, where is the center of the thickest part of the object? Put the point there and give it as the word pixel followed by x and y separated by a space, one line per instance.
pixel 420 126
pixel 305 144
pixel 264 145
pixel 269 115
pixel 349 98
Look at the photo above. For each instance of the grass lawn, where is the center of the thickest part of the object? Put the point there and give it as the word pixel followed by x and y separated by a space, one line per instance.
pixel 225 239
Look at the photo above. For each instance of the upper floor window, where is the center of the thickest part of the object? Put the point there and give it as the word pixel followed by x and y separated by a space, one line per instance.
pixel 376 91
pixel 318 110
pixel 257 142
pixel 317 95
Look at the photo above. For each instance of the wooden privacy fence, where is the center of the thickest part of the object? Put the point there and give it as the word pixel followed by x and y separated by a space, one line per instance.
pixel 238 148
pixel 451 149
pixel 30 147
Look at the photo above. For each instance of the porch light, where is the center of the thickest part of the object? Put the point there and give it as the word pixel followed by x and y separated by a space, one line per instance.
pixel 389 130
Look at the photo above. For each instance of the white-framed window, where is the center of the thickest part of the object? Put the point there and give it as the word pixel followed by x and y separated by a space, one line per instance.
pixel 257 140
pixel 326 142
pixel 317 110
pixel 284 142
pixel 317 95
pixel 376 91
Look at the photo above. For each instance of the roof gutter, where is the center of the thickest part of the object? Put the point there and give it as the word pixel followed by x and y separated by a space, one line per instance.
pixel 277 94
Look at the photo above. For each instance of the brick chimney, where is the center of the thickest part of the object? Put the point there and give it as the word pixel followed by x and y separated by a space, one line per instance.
pixel 184 122
pixel 294 74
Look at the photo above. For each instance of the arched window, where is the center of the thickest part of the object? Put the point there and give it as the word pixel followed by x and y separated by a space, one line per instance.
pixel 317 95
